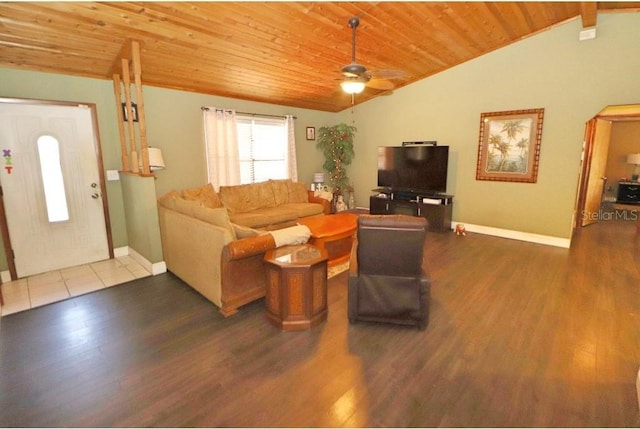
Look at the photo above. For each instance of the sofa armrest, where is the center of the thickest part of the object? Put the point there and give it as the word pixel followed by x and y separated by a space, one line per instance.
pixel 246 247
pixel 326 205
pixel 243 275
pixel 192 250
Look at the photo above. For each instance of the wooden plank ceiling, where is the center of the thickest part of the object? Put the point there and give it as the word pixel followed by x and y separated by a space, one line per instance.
pixel 287 53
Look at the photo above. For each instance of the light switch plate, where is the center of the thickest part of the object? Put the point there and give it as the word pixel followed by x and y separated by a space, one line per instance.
pixel 113 175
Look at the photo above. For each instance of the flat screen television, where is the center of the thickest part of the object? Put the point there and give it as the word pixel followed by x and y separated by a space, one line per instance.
pixel 413 168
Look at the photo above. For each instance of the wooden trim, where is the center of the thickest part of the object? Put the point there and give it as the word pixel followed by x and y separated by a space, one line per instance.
pixel 126 78
pixel 6 238
pixel 137 76
pixel 585 168
pixel 589 14
pixel 117 86
pixel 103 185
pixel 128 62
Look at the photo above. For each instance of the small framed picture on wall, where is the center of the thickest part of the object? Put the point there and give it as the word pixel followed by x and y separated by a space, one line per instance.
pixel 311 133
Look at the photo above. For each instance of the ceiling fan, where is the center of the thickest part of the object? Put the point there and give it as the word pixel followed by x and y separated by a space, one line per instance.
pixel 356 76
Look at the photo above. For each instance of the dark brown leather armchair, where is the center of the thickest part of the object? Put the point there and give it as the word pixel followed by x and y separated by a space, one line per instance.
pixel 389 279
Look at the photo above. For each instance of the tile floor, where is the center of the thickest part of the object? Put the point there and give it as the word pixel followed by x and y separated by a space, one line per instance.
pixel 42 289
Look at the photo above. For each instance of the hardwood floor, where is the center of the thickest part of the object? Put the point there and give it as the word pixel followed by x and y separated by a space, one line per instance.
pixel 520 335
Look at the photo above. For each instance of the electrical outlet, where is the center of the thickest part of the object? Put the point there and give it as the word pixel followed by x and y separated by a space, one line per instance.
pixel 587 34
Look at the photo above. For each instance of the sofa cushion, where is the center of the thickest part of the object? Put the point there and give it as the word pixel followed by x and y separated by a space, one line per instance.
pixel 185 207
pixel 263 217
pixel 245 198
pixel 217 216
pixel 168 199
pixel 206 194
pixel 297 192
pixel 304 209
pixel 280 190
pixel 245 231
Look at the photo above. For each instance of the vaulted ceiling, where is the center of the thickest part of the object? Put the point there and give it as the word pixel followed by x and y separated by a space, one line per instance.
pixel 287 53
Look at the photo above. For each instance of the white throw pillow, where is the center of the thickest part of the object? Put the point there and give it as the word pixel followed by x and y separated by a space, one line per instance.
pixel 298 234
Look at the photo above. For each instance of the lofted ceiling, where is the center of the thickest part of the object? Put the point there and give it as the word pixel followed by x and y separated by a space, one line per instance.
pixel 287 53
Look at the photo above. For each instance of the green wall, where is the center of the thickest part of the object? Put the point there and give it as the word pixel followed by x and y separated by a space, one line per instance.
pixel 571 80
pixel 143 225
pixel 174 124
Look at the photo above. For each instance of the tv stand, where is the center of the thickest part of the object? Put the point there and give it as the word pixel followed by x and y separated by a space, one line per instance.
pixel 434 207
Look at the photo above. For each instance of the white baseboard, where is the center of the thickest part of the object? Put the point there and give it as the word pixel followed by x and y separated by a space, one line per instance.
pixel 120 251
pixel 154 268
pixel 516 235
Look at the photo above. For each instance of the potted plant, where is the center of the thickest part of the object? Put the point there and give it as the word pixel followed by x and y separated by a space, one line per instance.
pixel 336 143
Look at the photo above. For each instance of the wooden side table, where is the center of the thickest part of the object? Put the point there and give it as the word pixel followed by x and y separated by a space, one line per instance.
pixel 296 286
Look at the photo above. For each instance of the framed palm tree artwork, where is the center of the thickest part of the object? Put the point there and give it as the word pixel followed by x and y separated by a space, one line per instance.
pixel 509 146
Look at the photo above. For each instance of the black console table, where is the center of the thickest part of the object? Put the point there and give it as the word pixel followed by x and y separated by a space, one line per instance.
pixel 628 192
pixel 435 208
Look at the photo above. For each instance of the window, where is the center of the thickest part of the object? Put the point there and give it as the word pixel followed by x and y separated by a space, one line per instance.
pixel 52 180
pixel 262 146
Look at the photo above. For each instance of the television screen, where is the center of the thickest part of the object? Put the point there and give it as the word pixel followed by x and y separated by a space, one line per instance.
pixel 414 168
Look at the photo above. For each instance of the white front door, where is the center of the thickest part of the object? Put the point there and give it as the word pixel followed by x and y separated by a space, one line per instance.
pixel 49 172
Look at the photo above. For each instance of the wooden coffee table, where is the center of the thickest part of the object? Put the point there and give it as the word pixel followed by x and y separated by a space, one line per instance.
pixel 334 233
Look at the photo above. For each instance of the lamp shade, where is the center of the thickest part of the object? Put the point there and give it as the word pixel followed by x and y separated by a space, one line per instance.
pixel 156 162
pixel 318 177
pixel 633 158
pixel 352 86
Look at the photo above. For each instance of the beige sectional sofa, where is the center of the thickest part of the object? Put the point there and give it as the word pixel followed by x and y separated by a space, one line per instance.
pixel 215 241
pixel 270 205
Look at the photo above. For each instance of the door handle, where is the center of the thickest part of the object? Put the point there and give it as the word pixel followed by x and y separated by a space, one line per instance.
pixel 95 196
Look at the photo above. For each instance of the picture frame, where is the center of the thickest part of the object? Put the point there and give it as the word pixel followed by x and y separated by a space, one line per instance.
pixel 509 145
pixel 134 112
pixel 311 133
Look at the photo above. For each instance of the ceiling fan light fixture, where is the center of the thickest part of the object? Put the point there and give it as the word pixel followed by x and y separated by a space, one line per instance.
pixel 353 70
pixel 352 86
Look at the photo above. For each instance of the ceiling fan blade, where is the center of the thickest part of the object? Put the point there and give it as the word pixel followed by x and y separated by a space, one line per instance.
pixel 382 84
pixel 388 74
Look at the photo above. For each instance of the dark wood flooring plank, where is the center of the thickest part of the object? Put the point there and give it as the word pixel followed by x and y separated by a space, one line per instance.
pixel 520 335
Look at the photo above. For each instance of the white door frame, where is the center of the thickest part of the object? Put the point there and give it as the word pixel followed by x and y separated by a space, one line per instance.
pixel 4 227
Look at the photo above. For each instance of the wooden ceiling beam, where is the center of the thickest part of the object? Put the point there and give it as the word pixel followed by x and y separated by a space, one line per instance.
pixel 589 13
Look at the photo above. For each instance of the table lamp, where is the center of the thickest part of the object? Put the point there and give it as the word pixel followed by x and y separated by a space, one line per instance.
pixel 634 158
pixel 318 180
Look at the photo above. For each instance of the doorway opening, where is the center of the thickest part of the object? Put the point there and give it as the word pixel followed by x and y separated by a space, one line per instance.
pixel 609 138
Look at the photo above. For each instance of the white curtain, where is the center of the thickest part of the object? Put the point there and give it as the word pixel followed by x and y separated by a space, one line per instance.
pixel 292 165
pixel 221 137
